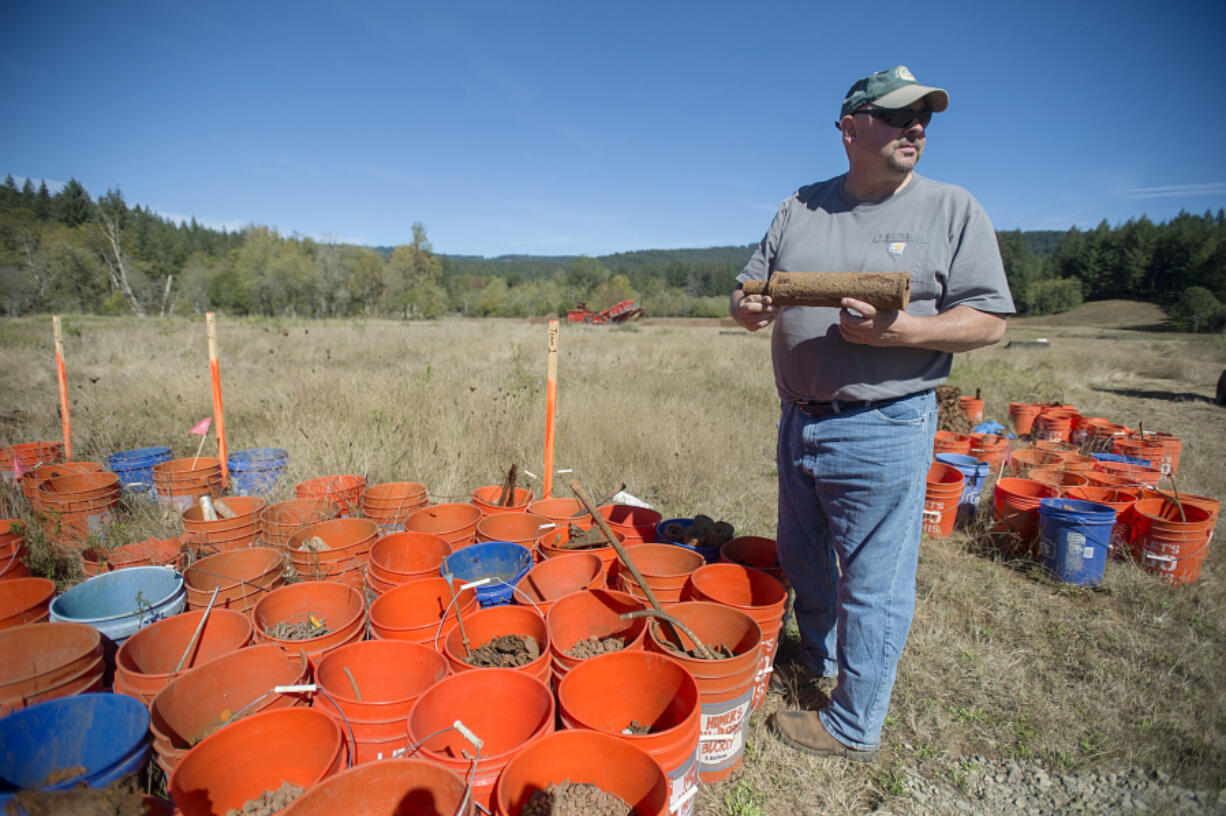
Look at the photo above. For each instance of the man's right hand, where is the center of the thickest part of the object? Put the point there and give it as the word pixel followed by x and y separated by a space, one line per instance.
pixel 752 311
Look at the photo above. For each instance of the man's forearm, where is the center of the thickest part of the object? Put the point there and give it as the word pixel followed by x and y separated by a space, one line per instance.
pixel 962 328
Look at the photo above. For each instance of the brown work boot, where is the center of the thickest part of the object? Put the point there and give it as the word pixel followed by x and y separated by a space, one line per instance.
pixel 803 730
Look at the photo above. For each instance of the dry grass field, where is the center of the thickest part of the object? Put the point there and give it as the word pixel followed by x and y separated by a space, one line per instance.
pixel 1002 662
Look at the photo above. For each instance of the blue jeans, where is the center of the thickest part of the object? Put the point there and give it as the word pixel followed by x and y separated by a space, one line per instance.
pixel 851 499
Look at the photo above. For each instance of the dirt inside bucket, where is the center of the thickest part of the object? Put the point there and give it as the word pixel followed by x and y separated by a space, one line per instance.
pixel 62 775
pixel 312 627
pixel 585 539
pixel 635 727
pixel 568 798
pixel 269 802
pixel 121 799
pixel 950 416
pixel 590 647
pixel 505 652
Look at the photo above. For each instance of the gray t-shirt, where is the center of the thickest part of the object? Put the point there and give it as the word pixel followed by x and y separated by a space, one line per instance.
pixel 935 231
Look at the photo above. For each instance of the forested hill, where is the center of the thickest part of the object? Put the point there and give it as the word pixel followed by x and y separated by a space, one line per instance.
pixel 70 252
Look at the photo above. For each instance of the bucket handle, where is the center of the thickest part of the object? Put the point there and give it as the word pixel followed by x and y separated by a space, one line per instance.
pixel 480 582
pixel 477 744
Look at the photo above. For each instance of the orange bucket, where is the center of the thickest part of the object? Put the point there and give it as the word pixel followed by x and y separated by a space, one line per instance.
pixel 25 600
pixel 591 613
pixel 391 675
pixel 726 685
pixel 756 594
pixel 486 624
pixel 414 610
pixel 611 764
pixel 454 522
pixel 394 786
pixel 504 708
pixel 557 577
pixel 941 497
pixel 610 691
pixel 254 755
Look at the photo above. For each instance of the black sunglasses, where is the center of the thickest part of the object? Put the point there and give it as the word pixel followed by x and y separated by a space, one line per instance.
pixel 898 117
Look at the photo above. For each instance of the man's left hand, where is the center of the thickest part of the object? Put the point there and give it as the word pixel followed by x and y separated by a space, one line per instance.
pixel 874 327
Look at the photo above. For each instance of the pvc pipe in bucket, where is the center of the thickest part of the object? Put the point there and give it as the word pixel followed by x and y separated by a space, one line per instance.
pixel 503 562
pixel 1074 538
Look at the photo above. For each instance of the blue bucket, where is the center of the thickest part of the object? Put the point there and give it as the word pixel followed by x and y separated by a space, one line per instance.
pixel 709 554
pixel 1074 537
pixel 976 474
pixel 255 472
pixel 1119 457
pixel 502 561
pixel 135 467
pixel 107 734
pixel 119 604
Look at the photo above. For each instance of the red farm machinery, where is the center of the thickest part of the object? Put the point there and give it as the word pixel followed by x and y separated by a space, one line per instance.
pixel 622 312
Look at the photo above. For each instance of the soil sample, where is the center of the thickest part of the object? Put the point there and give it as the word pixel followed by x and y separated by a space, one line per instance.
pixel 705 531
pixel 635 727
pixel 950 416
pixel 590 647
pixel 588 539
pixel 121 799
pixel 568 798
pixel 269 802
pixel 505 652
pixel 62 775
pixel 313 627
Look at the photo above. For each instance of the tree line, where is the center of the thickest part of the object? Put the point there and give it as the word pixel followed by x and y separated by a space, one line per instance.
pixel 70 252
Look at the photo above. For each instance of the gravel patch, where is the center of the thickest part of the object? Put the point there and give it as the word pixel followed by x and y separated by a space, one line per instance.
pixel 1025 788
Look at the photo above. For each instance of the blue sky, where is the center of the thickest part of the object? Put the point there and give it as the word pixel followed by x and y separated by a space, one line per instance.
pixel 567 128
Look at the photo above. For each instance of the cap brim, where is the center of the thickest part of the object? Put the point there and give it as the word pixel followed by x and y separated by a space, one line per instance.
pixel 937 98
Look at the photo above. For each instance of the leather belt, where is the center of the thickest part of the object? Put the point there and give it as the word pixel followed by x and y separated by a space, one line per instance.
pixel 817 410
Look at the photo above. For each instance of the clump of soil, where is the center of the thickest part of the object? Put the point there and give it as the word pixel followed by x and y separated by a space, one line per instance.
pixel 635 727
pixel 950 416
pixel 269 802
pixel 568 798
pixel 62 775
pixel 121 799
pixel 588 539
pixel 314 626
pixel 703 531
pixel 505 652
pixel 590 647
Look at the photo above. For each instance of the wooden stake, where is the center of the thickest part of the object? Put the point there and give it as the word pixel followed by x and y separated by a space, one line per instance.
pixel 219 417
pixel 199 628
pixel 634 570
pixel 551 408
pixel 63 379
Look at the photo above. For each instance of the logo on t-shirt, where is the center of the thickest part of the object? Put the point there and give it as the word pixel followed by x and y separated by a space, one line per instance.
pixel 897 247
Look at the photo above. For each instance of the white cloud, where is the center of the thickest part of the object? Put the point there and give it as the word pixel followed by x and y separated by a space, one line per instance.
pixel 1176 190
pixel 211 223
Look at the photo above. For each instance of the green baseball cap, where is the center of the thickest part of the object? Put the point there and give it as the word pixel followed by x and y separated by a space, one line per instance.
pixel 893 88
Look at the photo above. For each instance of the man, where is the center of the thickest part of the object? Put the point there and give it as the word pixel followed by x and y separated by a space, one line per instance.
pixel 856 386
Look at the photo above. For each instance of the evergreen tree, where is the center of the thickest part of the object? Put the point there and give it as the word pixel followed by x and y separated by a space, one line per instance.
pixel 72 205
pixel 42 202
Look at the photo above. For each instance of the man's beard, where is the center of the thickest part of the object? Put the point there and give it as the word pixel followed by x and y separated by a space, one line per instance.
pixel 899 165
